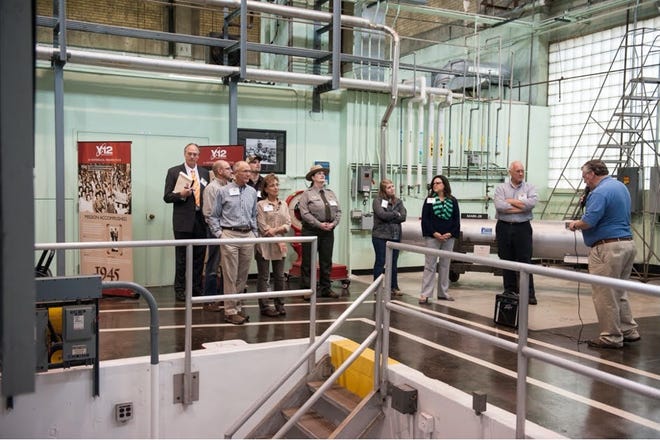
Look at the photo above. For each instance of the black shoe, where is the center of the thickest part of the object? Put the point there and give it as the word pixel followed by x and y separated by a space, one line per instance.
pixel 280 309
pixel 270 312
pixel 180 296
pixel 533 301
pixel 329 294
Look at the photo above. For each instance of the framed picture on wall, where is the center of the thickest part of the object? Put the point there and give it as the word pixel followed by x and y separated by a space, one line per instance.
pixel 270 145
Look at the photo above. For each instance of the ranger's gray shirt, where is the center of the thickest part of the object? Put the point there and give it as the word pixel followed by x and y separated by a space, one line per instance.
pixel 312 208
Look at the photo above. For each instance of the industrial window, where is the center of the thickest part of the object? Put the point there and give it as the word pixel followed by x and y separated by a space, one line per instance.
pixel 583 63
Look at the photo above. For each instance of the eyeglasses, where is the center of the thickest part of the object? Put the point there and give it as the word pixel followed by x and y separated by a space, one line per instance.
pixel 438 182
pixel 585 174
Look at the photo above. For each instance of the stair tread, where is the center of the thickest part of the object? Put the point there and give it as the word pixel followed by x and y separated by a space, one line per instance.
pixel 312 422
pixel 338 395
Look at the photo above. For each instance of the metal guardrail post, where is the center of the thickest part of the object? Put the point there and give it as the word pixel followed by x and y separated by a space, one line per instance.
pixel 312 302
pixel 523 327
pixel 385 323
pixel 187 364
pixel 153 331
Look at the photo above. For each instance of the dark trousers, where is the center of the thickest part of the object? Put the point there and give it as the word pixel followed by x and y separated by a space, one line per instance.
pixel 263 278
pixel 325 242
pixel 514 243
pixel 212 280
pixel 199 231
pixel 379 263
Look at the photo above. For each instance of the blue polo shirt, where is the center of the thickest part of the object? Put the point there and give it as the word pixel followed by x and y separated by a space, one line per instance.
pixel 607 212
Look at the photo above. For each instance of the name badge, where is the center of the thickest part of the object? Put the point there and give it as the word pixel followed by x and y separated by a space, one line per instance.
pixel 383 204
pixel 234 192
pixel 430 200
pixel 258 194
pixel 522 197
pixel 332 203
pixel 268 208
pixel 203 181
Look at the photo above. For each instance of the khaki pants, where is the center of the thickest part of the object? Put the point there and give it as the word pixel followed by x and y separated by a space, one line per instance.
pixel 235 261
pixel 613 260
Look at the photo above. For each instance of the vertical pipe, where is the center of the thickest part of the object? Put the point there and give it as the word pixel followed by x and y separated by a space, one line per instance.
pixel 441 138
pixel 244 38
pixel 529 102
pixel 431 136
pixel 336 44
pixel 508 134
pixel 420 136
pixel 409 146
pixel 233 110
pixel 393 100
pixel 59 40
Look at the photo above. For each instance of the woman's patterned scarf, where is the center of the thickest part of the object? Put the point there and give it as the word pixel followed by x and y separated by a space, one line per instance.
pixel 443 208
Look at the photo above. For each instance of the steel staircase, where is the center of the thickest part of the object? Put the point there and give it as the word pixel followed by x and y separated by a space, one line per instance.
pixel 628 140
pixel 337 414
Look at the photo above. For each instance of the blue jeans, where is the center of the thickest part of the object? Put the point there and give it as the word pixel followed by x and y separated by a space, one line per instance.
pixel 379 264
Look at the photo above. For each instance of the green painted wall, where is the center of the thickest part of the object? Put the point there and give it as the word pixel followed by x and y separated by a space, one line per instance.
pixel 161 116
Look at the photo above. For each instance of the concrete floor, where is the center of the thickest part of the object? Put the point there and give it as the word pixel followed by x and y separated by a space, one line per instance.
pixel 564 402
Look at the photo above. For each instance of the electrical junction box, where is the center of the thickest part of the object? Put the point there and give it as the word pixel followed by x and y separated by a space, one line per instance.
pixel 404 398
pixel 78 333
pixel 630 176
pixel 356 214
pixel 367 222
pixel 364 178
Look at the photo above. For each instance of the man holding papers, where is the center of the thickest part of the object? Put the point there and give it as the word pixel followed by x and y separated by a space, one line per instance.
pixel 184 186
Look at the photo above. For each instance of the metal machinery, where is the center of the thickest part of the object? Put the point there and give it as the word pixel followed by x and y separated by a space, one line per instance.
pixel 552 242
pixel 67 331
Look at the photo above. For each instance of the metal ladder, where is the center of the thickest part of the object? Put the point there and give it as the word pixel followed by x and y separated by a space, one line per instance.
pixel 629 138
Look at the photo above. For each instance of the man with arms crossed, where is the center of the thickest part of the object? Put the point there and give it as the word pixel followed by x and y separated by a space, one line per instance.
pixel 514 201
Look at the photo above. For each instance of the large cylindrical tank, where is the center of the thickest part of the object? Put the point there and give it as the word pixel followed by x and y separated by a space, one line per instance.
pixel 552 241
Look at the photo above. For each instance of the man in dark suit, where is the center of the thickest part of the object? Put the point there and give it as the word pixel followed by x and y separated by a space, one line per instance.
pixel 187 218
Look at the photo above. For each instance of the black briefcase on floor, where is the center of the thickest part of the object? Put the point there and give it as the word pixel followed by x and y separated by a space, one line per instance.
pixel 506 310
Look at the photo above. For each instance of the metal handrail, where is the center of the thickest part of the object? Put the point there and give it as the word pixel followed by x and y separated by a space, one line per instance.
pixel 308 353
pixel 524 352
pixel 187 374
pixel 153 331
